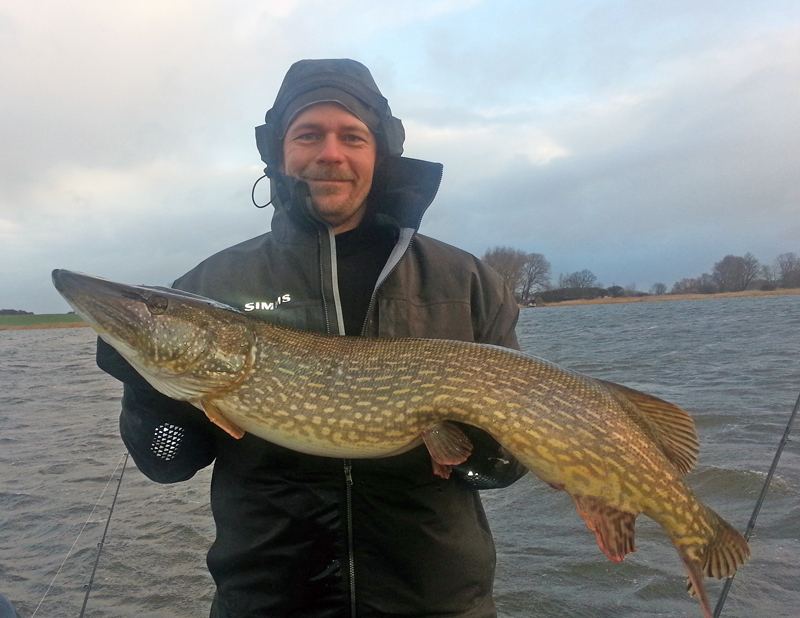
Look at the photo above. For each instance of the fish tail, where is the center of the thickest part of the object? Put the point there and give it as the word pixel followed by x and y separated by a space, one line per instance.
pixel 726 551
pixel 723 553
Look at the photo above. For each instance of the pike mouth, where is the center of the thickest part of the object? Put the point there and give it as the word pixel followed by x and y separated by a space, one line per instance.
pixel 59 281
pixel 110 308
pixel 70 285
pixel 120 314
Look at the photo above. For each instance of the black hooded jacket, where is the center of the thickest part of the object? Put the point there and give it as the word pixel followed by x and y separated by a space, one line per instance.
pixel 306 536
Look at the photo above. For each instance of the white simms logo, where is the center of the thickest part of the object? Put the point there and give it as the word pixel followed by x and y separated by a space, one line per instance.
pixel 267 305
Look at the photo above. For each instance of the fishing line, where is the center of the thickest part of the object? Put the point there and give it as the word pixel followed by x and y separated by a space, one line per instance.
pixel 759 502
pixel 46 592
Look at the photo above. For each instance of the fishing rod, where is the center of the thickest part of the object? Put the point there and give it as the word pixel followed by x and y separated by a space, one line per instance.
pixel 759 502
pixel 86 523
pixel 103 539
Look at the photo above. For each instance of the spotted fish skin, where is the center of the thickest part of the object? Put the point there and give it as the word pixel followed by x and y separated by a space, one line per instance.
pixel 617 452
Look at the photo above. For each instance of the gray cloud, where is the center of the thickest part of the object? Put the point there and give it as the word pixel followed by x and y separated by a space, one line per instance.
pixel 642 142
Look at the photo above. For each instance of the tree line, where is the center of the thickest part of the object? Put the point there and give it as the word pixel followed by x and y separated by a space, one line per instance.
pixel 735 273
pixel 529 276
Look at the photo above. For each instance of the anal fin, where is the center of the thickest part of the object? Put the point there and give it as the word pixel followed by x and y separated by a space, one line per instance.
pixel 613 529
pixel 448 446
pixel 215 416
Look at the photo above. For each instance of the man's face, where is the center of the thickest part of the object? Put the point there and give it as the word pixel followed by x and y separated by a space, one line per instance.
pixel 334 152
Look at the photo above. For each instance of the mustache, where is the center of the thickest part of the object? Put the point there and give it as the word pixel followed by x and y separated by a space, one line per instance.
pixel 323 174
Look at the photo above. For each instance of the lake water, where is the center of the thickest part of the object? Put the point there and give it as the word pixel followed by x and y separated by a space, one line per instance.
pixel 734 364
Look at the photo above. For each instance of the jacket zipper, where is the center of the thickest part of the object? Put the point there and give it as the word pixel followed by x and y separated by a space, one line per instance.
pixel 348 467
pixel 381 281
pixel 400 259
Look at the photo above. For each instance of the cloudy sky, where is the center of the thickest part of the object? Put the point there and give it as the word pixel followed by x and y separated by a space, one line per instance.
pixel 641 140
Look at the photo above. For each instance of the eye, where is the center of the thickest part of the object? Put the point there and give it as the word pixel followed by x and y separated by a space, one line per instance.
pixel 157 304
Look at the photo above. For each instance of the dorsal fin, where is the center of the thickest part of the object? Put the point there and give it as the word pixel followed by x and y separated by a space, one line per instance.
pixel 673 427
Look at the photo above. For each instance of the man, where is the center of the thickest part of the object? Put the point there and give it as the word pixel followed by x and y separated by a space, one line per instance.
pixel 299 535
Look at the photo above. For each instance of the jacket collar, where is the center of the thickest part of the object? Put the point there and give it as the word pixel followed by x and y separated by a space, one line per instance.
pixel 402 190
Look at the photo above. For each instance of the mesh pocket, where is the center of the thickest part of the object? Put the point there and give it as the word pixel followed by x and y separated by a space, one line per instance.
pixel 167 441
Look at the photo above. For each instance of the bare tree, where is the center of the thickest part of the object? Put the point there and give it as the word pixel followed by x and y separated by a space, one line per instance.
pixel 769 273
pixel 684 286
pixel 751 268
pixel 734 273
pixel 579 279
pixel 509 263
pixel 535 276
pixel 704 284
pixel 658 289
pixel 787 266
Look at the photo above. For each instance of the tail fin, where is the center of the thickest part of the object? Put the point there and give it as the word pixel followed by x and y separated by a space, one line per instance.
pixel 724 553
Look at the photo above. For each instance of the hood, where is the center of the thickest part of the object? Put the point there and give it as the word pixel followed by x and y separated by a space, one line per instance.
pixel 402 188
pixel 342 81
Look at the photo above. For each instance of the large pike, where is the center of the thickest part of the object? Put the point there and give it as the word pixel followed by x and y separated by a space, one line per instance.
pixel 618 452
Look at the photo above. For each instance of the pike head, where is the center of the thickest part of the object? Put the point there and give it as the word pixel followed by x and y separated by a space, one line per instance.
pixel 188 347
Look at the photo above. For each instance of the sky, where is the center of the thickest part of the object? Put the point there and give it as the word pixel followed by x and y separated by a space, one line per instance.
pixel 641 140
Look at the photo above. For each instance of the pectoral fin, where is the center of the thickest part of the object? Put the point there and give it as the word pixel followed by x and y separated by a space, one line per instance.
pixel 612 528
pixel 448 446
pixel 215 416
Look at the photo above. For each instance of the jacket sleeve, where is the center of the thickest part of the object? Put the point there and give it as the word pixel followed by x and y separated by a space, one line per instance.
pixel 491 466
pixel 169 440
pixel 496 309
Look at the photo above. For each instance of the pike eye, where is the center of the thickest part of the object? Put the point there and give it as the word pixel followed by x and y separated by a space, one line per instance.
pixel 157 304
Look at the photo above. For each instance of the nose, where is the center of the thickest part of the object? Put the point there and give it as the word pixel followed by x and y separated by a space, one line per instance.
pixel 330 150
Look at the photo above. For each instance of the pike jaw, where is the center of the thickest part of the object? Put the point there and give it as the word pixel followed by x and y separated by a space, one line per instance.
pixel 163 333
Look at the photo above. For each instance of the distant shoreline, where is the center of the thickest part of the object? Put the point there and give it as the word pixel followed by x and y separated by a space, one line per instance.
pixel 672 297
pixel 40 325
pixel 595 301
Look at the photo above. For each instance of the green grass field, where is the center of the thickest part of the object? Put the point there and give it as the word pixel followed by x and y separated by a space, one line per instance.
pixel 44 319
